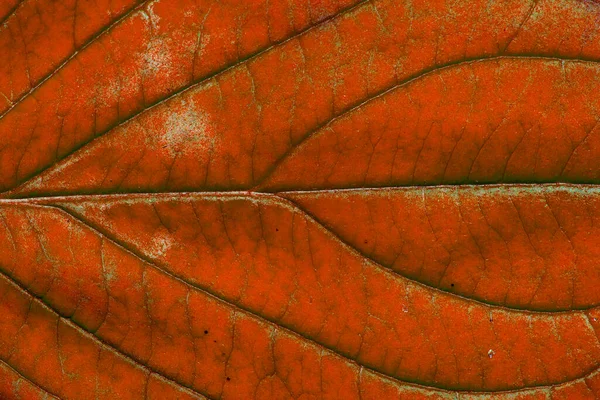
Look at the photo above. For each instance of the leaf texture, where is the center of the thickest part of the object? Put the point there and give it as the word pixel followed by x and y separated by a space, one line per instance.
pixel 299 199
pixel 38 36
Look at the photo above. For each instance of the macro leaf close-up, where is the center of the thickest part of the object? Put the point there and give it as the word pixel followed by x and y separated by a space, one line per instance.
pixel 300 199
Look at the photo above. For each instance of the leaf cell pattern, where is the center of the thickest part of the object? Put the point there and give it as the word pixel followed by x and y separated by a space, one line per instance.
pixel 299 199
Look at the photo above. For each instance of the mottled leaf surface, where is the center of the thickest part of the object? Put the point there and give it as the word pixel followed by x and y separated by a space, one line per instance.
pixel 299 199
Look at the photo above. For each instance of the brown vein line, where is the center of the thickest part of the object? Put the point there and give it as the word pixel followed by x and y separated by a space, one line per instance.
pixel 521 25
pixel 389 271
pixel 190 85
pixel 209 293
pixel 47 391
pixel 405 82
pixel 282 198
pixel 475 187
pixel 101 343
pixel 11 12
pixel 583 188
pixel 508 393
pixel 258 187
pixel 81 48
pixel 140 256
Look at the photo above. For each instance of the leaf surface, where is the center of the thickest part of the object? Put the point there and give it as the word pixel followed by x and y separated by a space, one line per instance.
pixel 300 199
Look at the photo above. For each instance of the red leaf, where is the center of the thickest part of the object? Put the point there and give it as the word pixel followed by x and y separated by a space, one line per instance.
pixel 243 199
